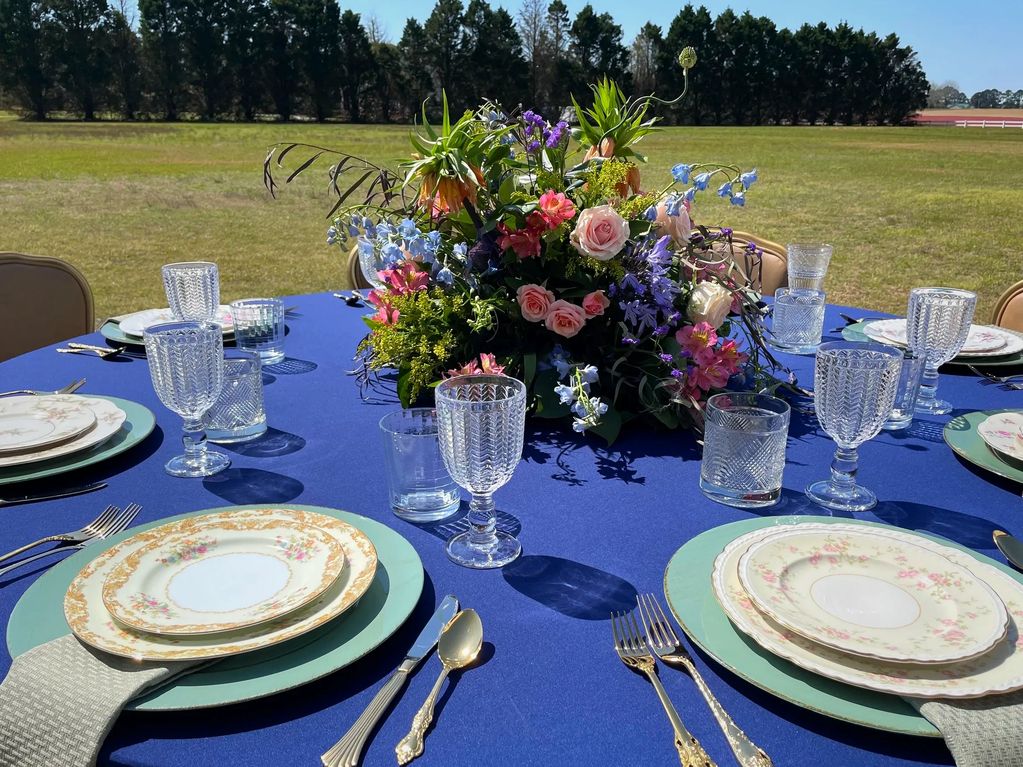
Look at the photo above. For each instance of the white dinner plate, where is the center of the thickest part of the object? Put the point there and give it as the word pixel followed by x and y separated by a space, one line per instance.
pixel 871 595
pixel 982 341
pixel 997 671
pixel 90 621
pixel 223 575
pixel 1003 433
pixel 135 324
pixel 33 422
pixel 108 420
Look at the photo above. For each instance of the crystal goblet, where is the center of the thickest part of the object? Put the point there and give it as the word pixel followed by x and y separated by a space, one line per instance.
pixel 937 325
pixel 854 392
pixel 186 363
pixel 193 290
pixel 481 421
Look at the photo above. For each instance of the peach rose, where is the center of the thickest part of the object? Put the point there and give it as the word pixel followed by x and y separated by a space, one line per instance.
pixel 535 302
pixel 565 319
pixel 679 227
pixel 600 233
pixel 709 303
pixel 595 303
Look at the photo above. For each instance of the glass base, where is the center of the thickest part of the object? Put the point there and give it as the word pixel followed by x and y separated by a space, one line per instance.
pixel 794 349
pixel 741 499
pixel 230 436
pixel 831 496
pixel 897 424
pixel 462 552
pixel 934 407
pixel 184 466
pixel 426 507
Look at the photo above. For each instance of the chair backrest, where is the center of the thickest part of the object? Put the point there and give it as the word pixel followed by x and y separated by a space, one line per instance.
pixel 1009 309
pixel 355 276
pixel 772 273
pixel 42 300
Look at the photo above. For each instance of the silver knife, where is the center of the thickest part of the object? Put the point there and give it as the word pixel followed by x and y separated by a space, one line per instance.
pixel 347 752
pixel 9 501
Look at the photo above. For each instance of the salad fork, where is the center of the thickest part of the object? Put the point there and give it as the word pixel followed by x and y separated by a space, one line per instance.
pixel 71 388
pixel 631 646
pixel 118 524
pixel 666 646
pixel 90 530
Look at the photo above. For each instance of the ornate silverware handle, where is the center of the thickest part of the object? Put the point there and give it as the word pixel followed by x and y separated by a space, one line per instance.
pixel 690 752
pixel 411 745
pixel 347 752
pixel 747 753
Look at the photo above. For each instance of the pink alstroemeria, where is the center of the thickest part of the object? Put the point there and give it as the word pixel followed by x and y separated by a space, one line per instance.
pixel 555 208
pixel 489 366
pixel 730 357
pixel 525 242
pixel 696 338
pixel 486 366
pixel 471 368
pixel 405 279
pixel 712 376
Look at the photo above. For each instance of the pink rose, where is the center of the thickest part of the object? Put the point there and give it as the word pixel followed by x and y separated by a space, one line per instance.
pixel 595 303
pixel 565 319
pixel 600 233
pixel 679 227
pixel 534 302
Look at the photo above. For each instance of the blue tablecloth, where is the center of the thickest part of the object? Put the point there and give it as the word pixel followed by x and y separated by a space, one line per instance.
pixel 597 525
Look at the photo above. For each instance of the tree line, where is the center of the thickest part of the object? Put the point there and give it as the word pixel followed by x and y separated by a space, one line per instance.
pixel 947 95
pixel 290 59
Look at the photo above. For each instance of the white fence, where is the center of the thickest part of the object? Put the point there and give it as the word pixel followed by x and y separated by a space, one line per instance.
pixel 989 123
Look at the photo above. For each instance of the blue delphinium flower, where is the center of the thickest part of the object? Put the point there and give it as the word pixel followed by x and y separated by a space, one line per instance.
pixel 673 204
pixel 331 235
pixel 589 374
pixel 689 194
pixel 701 181
pixel 445 277
pixel 739 198
pixel 408 229
pixel 748 179
pixel 681 172
pixel 725 190
pixel 579 425
pixel 566 394
pixel 650 214
pixel 579 409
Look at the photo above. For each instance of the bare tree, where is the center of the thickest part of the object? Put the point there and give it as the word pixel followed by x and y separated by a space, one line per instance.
pixel 535 45
pixel 645 53
pixel 375 30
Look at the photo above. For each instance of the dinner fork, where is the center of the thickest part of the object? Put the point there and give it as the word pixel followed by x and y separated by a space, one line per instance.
pixel 666 645
pixel 90 530
pixel 992 378
pixel 71 388
pixel 630 644
pixel 114 526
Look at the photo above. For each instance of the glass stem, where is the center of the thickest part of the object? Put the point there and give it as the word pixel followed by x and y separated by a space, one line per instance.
pixel 928 388
pixel 843 469
pixel 482 521
pixel 194 437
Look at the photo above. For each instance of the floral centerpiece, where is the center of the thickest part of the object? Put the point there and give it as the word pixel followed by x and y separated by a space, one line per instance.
pixel 512 243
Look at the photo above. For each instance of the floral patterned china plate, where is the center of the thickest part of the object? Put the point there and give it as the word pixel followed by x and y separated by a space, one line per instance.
pixel 872 595
pixel 136 324
pixel 29 423
pixel 89 620
pixel 1003 433
pixel 223 576
pixel 107 419
pixel 982 341
pixel 997 671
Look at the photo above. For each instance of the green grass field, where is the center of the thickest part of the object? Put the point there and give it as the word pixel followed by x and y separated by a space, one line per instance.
pixel 903 207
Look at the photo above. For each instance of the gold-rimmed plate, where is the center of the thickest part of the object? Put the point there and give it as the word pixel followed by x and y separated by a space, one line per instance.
pixel 34 422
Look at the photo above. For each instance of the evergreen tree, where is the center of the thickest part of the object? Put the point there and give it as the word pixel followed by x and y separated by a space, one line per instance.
pixel 204 33
pixel 388 80
pixel 596 43
pixel 492 53
pixel 247 49
pixel 24 67
pixel 416 70
pixel 125 64
pixel 356 64
pixel 443 36
pixel 78 31
pixel 283 72
pixel 163 54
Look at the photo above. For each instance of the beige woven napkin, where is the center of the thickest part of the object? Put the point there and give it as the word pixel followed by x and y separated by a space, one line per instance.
pixel 60 700
pixel 980 732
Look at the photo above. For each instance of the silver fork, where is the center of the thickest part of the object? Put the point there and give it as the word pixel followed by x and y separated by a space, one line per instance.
pixel 666 645
pixel 114 526
pixel 90 530
pixel 630 644
pixel 71 388
pixel 992 378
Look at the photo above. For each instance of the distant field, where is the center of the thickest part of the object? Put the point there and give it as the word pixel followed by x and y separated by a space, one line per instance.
pixel 903 206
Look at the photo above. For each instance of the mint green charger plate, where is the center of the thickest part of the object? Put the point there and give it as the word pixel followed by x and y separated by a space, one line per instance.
pixel 39 617
pixel 137 426
pixel 961 435
pixel 111 331
pixel 855 332
pixel 687 587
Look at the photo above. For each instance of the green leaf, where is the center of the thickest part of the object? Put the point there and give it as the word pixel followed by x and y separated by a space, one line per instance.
pixel 404 393
pixel 609 427
pixel 528 367
pixel 446 125
pixel 548 403
pixel 667 417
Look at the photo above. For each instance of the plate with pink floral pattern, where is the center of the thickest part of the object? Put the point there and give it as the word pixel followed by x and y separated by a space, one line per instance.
pixel 223 576
pixel 872 595
pixel 1003 433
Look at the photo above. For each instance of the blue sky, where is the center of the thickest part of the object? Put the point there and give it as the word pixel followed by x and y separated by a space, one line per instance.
pixel 977 44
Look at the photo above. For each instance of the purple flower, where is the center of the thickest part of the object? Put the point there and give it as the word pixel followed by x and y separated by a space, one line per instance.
pixel 533 146
pixel 554 135
pixel 666 357
pixel 676 373
pixel 631 281
pixel 629 340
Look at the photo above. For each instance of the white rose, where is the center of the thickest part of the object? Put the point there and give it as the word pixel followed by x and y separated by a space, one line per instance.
pixel 710 303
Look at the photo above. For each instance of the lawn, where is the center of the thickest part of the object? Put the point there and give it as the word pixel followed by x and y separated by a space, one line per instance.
pixel 902 206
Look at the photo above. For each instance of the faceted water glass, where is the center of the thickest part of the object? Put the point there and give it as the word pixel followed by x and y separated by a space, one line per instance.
pixel 937 324
pixel 797 320
pixel 419 486
pixel 854 391
pixel 906 395
pixel 481 422
pixel 259 327
pixel 371 262
pixel 186 363
pixel 744 448
pixel 193 290
pixel 807 264
pixel 238 414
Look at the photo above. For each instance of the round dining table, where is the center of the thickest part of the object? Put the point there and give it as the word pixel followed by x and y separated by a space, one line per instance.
pixel 598 525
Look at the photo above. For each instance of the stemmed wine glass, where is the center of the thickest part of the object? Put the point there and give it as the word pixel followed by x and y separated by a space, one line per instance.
pixel 480 424
pixel 854 391
pixel 193 290
pixel 937 325
pixel 186 363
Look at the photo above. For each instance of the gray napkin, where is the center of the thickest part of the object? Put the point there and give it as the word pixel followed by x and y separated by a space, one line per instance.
pixel 980 732
pixel 60 700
